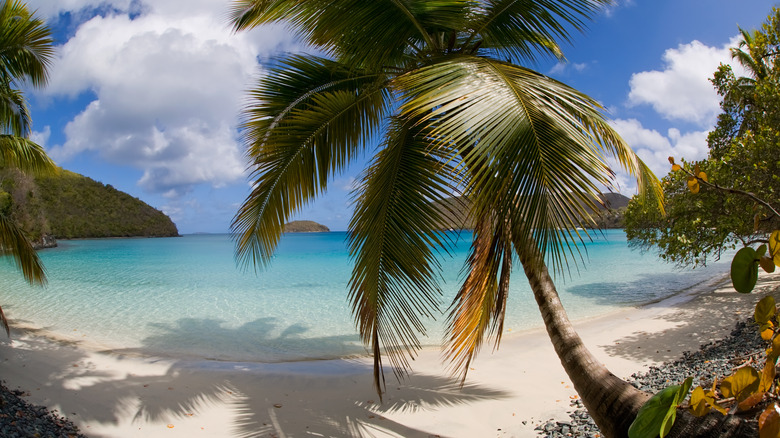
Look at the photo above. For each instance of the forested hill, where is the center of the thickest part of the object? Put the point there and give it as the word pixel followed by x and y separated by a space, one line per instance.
pixel 610 215
pixel 68 205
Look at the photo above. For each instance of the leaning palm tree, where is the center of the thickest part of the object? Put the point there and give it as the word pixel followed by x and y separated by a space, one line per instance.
pixel 438 85
pixel 26 53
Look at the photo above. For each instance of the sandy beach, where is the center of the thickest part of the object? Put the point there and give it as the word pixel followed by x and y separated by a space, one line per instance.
pixel 507 393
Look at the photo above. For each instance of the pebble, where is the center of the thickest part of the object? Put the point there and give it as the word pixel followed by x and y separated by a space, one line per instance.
pixel 20 419
pixel 714 359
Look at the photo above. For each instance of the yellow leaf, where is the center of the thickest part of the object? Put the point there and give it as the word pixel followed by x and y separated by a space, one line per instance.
pixel 693 185
pixel 767 376
pixel 774 246
pixel 676 167
pixel 767 334
pixel 740 385
pixel 769 423
pixel 699 402
pixel 702 176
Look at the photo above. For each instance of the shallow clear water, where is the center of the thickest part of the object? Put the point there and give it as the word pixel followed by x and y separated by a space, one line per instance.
pixel 185 297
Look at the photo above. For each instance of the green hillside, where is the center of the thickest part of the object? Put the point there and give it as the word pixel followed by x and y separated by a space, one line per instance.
pixel 69 205
pixel 611 216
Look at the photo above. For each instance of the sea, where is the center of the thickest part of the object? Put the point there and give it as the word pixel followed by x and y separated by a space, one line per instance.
pixel 186 298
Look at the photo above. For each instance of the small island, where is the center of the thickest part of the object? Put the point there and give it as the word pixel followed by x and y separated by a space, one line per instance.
pixel 305 227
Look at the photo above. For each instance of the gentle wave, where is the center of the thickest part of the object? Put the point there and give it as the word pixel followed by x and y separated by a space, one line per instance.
pixel 185 297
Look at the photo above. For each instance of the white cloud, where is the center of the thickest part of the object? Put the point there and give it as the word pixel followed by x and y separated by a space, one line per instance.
pixel 168 85
pixel 41 138
pixel 563 67
pixel 682 91
pixel 654 148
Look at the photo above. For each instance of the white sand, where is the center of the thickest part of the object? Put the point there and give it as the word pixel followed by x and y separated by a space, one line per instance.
pixel 108 395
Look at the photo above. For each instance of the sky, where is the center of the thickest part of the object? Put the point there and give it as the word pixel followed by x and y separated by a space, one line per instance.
pixel 146 95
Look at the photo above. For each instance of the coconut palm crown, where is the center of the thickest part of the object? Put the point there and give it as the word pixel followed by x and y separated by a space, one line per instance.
pixel 26 55
pixel 439 83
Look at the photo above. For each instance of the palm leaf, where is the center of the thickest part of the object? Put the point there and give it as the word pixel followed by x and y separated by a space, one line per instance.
pixel 393 240
pixel 26 45
pixel 324 114
pixel 480 304
pixel 521 29
pixel 14 115
pixel 25 155
pixel 359 32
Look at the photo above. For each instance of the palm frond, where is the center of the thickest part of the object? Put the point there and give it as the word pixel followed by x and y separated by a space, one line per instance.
pixel 14 116
pixel 14 243
pixel 25 155
pixel 522 29
pixel 526 139
pixel 359 32
pixel 26 45
pixel 479 306
pixel 393 241
pixel 323 114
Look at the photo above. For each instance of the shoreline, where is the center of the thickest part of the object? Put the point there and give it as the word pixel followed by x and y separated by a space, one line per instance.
pixel 507 393
pixel 428 344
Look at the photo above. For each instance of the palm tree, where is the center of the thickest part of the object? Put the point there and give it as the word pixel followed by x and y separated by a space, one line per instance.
pixel 26 53
pixel 439 83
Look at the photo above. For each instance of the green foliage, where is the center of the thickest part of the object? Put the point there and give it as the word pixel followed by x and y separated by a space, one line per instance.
pixel 68 205
pixel 744 270
pixel 728 199
pixel 657 415
pixel 744 156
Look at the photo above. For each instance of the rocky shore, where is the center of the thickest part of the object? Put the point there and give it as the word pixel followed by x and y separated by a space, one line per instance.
pixel 20 419
pixel 714 359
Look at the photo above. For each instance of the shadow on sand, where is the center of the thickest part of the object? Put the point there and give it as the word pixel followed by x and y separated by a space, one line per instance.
pixel 312 398
pixel 692 325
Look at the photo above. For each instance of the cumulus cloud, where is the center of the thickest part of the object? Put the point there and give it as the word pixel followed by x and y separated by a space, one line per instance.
pixel 654 148
pixel 41 138
pixel 168 86
pixel 682 90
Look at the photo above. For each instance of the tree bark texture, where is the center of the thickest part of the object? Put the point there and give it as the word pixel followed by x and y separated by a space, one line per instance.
pixel 612 402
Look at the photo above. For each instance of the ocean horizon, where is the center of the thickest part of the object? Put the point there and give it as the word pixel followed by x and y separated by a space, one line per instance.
pixel 185 297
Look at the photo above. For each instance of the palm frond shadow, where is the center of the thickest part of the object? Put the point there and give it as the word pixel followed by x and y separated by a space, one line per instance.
pixel 292 399
pixel 686 330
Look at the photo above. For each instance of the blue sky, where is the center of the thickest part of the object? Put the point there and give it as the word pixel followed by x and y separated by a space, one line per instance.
pixel 145 95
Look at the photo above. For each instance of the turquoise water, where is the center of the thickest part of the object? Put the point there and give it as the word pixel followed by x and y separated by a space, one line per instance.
pixel 185 297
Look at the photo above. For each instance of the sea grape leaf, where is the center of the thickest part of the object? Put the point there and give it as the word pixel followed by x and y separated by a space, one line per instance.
pixel 744 270
pixel 760 251
pixel 750 402
pixel 676 167
pixel 702 176
pixel 657 415
pixel 767 264
pixel 769 422
pixel 767 376
pixel 767 332
pixel 693 185
pixel 742 384
pixel 701 403
pixel 774 246
pixel 774 352
pixel 765 310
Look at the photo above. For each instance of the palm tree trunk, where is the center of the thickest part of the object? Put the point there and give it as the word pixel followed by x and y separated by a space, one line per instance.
pixel 612 402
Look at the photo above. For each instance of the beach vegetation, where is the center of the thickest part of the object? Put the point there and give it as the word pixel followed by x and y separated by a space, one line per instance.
pixel 725 201
pixel 437 94
pixel 26 54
